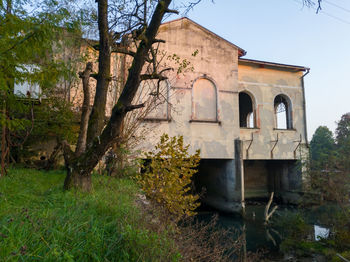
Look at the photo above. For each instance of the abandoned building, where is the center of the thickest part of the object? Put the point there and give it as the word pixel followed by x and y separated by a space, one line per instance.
pixel 247 117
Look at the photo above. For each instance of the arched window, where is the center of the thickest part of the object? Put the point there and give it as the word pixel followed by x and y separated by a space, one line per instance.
pixel 204 100
pixel 246 111
pixel 156 99
pixel 283 112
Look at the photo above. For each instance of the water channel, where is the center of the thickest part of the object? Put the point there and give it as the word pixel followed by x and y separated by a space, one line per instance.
pixel 259 237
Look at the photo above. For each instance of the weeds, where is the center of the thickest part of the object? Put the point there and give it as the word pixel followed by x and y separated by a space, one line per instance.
pixel 38 221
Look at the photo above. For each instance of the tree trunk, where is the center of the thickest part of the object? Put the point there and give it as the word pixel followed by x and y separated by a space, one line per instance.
pixel 51 162
pixel 78 175
pixel 98 113
pixel 84 122
pixel 8 6
pixel 79 168
pixel 3 151
pixel 75 179
pixel 4 145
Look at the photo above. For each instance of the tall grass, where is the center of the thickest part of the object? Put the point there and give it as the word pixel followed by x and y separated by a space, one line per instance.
pixel 41 222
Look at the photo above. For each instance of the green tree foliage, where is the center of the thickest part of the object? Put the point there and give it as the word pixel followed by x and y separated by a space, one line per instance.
pixel 167 177
pixel 54 119
pixel 342 133
pixel 29 43
pixel 322 151
pixel 341 161
pixel 329 182
pixel 328 189
pixel 322 144
pixel 343 129
pixel 329 173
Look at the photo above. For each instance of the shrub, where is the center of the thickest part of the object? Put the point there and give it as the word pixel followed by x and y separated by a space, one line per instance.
pixel 167 176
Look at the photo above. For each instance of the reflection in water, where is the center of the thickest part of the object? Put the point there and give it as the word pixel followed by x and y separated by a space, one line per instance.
pixel 257 236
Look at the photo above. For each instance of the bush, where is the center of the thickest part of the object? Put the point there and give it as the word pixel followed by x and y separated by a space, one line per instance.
pixel 167 176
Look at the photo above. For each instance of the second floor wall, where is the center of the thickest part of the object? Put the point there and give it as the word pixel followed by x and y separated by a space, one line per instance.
pixel 217 98
pixel 277 128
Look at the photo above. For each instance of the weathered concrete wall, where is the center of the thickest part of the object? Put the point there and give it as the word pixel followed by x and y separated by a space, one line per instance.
pixel 263 85
pixel 215 63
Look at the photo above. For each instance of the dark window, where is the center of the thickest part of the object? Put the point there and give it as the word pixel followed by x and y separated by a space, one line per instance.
pixel 246 111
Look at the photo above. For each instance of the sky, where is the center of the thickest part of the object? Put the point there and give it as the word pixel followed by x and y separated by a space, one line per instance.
pixel 284 31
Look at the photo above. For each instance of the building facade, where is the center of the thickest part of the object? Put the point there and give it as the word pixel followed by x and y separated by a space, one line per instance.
pixel 247 117
pixel 225 98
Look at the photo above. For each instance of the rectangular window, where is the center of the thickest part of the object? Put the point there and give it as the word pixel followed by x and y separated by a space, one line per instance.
pixel 27 88
pixel 156 99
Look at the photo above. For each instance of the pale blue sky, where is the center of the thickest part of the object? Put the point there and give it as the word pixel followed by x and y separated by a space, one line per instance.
pixel 284 32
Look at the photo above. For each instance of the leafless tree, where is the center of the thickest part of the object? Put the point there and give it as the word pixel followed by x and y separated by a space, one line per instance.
pixel 131 32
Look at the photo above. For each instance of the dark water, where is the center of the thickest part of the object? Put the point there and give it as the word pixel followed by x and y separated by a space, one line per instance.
pixel 255 230
pixel 259 236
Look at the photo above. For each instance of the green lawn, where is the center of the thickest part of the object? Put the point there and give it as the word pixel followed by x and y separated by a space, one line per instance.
pixel 41 222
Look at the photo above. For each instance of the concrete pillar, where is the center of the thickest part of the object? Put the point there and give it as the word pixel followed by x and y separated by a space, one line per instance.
pixel 240 170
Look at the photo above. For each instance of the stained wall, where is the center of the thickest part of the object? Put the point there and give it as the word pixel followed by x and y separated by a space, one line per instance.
pixel 264 83
pixel 211 81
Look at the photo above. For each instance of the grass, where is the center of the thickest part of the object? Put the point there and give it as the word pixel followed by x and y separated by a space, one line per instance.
pixel 41 222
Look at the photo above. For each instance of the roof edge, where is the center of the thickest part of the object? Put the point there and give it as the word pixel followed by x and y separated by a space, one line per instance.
pixel 273 64
pixel 241 51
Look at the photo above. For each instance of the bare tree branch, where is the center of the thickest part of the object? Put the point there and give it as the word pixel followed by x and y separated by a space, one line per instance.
pixel 158 41
pixel 122 50
pixel 311 3
pixel 268 214
pixel 133 107
pixel 94 76
pixel 172 11
pixel 152 76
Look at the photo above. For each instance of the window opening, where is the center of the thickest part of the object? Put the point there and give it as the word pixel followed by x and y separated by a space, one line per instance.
pixel 27 88
pixel 156 99
pixel 282 113
pixel 246 111
pixel 250 120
